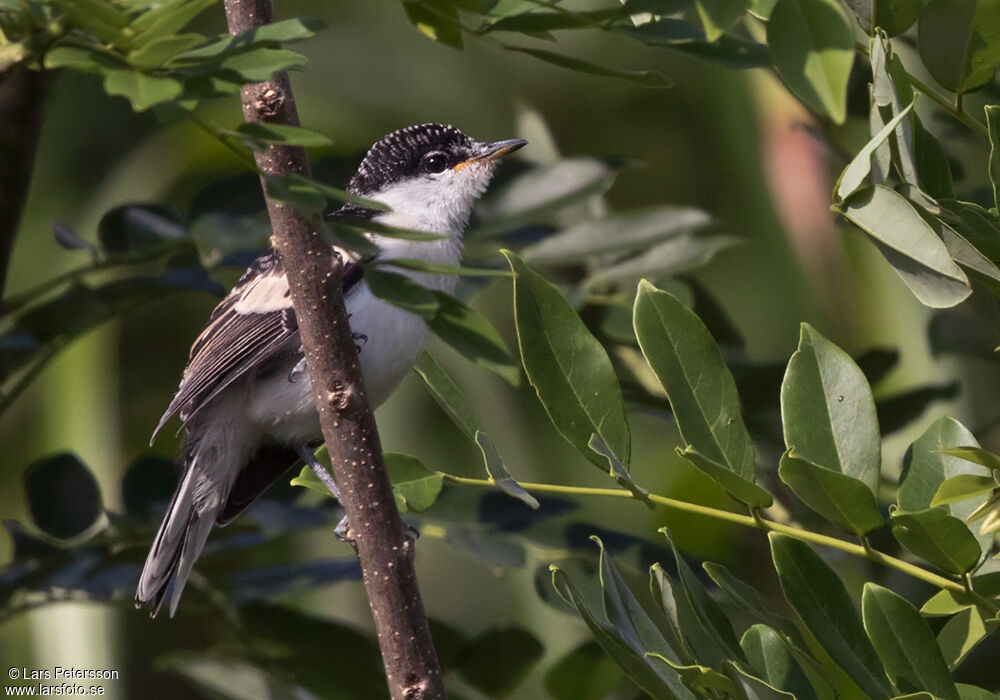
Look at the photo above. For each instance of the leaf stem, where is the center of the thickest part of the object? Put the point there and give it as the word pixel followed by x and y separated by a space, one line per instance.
pixel 747 521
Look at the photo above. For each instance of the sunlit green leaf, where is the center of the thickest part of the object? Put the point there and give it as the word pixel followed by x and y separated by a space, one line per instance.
pixel 905 644
pixel 167 19
pixel 993 124
pixel 286 30
pixel 679 254
pixel 909 244
pixel 415 486
pixel 770 655
pixel 141 89
pixel 402 291
pixel 447 394
pixel 942 539
pixel 961 634
pixel 718 15
pixel 470 333
pixel 817 595
pixel 828 411
pixel 860 166
pixel 753 688
pixel 813 49
pixel 959 42
pixel 436 20
pixel 258 65
pixel 258 135
pixel 841 499
pixel 568 368
pixel 963 487
pixel 701 390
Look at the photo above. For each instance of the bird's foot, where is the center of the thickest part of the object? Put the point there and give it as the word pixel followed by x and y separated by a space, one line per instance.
pixel 307 456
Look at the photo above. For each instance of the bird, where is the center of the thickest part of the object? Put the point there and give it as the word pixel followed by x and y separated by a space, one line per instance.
pixel 245 397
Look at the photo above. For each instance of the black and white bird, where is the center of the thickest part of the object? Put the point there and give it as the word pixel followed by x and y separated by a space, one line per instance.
pixel 245 398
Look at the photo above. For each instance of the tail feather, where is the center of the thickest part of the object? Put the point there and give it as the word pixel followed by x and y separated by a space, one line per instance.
pixel 177 545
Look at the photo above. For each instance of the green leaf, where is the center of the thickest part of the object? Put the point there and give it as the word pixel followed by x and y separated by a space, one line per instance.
pixel 892 16
pixel 638 229
pixel 470 333
pixel 157 52
pixel 828 411
pixel 645 78
pixel 943 540
pixel 971 692
pixel 771 656
pixel 910 244
pixel 737 487
pixel 680 35
pixel 496 470
pixel 993 125
pixel 447 394
pixel 812 47
pixel 63 496
pixel 819 598
pixel 931 460
pixel 905 644
pixel 841 499
pixel 585 673
pixel 307 479
pixel 498 660
pixel 976 265
pixel 169 18
pixel 744 595
pixel 976 455
pixel 568 368
pixel 82 59
pixel 933 166
pixel 259 135
pixel 626 614
pixel 142 90
pixel 662 683
pixel 701 390
pixel 699 678
pixel 860 166
pixel 959 42
pixel 415 486
pixel 435 19
pixel 754 688
pixel 402 291
pixel 260 64
pixel 961 634
pixel 672 257
pixel 718 15
pixel 287 30
pixel 962 487
pixel 706 628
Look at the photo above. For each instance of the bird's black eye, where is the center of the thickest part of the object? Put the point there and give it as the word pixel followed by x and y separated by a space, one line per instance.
pixel 434 162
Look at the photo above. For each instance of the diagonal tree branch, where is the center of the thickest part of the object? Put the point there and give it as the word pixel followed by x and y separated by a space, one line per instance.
pixel 314 275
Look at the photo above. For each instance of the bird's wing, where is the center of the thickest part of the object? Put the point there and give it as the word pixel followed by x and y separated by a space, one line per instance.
pixel 253 323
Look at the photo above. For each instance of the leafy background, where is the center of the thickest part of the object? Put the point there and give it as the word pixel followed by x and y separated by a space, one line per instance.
pixel 747 168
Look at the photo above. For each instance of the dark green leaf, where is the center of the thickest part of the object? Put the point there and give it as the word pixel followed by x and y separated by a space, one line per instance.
pixel 586 673
pixel 295 29
pixel 753 688
pixel 909 244
pixel 702 393
pixel 680 35
pixel 447 394
pixel 828 411
pixel 718 15
pixel 993 124
pixel 659 681
pixel 959 42
pixel 813 49
pixel 498 472
pixel 699 678
pixel 905 644
pixel 942 539
pixel 737 487
pixel 257 65
pixel 568 367
pixel 892 16
pixel 312 197
pixel 679 254
pixel 961 634
pixel 132 227
pixel 702 622
pixel 470 333
pixel 646 78
pixel 157 52
pixel 402 291
pixel 498 660
pixel 616 233
pixel 435 19
pixel 63 496
pixel 841 499
pixel 770 655
pixel 141 89
pixel 258 135
pixel 415 486
pixel 933 166
pixel 536 22
pixel 819 598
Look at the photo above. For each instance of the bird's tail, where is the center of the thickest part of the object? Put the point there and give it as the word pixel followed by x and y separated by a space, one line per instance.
pixel 181 538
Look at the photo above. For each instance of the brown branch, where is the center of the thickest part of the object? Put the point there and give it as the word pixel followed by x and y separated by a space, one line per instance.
pixel 314 275
pixel 22 93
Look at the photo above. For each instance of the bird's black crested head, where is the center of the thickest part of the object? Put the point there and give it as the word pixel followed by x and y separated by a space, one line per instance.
pixel 415 150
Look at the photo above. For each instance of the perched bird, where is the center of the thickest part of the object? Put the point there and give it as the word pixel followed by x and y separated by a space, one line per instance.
pixel 245 398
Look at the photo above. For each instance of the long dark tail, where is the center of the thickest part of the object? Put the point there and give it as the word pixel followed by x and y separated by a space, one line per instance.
pixel 189 520
pixel 178 543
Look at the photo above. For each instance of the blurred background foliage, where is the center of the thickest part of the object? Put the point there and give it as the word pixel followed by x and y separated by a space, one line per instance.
pixel 732 143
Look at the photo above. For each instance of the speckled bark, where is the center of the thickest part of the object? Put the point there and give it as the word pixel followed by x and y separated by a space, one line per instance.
pixel 314 275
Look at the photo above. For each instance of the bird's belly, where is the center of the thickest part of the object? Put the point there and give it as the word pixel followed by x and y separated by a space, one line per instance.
pixel 389 340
